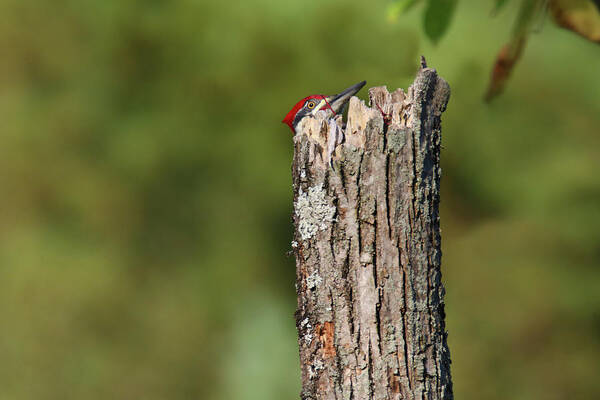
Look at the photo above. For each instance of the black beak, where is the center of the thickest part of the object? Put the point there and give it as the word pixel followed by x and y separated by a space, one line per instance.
pixel 338 101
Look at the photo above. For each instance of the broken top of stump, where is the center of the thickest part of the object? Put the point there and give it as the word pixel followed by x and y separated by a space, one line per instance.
pixel 388 113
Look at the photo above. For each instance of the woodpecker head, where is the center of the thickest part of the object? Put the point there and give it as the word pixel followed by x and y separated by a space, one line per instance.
pixel 311 104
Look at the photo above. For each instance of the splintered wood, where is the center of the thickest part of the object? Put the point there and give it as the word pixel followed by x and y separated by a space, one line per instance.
pixel 370 314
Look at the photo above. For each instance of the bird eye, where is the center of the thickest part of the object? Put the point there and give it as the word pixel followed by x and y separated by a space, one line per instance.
pixel 310 104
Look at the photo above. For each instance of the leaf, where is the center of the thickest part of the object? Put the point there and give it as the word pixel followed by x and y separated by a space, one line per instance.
pixel 510 53
pixel 499 5
pixel 437 18
pixel 579 16
pixel 398 8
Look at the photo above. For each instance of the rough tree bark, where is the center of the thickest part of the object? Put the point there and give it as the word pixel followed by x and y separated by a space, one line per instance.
pixel 370 314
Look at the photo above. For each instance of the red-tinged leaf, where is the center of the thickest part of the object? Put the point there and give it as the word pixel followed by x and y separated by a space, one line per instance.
pixel 579 16
pixel 505 61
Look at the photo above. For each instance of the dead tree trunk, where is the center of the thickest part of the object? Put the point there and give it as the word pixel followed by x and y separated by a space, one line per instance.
pixel 370 314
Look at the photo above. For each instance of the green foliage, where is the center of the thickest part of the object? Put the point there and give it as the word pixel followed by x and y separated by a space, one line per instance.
pixel 529 10
pixel 438 15
pixel 146 206
pixel 399 7
pixel 580 16
pixel 499 5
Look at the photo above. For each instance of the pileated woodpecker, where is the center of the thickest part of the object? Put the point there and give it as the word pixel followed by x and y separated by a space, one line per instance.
pixel 311 104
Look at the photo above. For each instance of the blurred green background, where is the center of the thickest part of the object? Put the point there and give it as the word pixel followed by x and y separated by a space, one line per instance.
pixel 145 213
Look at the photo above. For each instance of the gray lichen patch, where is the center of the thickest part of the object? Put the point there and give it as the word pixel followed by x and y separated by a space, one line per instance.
pixel 313 280
pixel 308 338
pixel 314 369
pixel 396 139
pixel 313 211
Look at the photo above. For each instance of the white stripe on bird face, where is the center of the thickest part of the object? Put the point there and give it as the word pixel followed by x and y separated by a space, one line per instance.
pixel 318 107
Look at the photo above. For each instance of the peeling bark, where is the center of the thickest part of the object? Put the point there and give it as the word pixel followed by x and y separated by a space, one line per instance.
pixel 370 314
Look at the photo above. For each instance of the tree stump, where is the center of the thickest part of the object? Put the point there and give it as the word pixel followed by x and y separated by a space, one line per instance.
pixel 370 314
